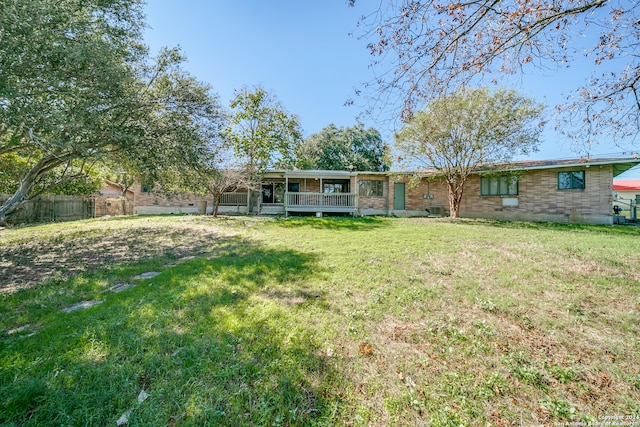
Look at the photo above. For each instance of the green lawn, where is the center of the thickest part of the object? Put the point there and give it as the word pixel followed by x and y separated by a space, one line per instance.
pixel 332 321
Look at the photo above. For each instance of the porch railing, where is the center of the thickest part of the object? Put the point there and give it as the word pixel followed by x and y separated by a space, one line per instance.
pixel 327 200
pixel 233 199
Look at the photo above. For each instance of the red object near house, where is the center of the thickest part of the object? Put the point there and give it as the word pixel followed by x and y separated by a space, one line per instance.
pixel 626 185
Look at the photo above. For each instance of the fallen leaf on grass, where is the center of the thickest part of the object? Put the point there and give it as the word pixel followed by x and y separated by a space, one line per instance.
pixel 365 348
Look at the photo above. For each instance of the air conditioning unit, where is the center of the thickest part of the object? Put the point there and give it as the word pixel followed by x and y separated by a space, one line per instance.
pixel 436 210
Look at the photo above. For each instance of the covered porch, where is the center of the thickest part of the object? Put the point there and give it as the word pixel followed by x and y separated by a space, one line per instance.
pixel 309 191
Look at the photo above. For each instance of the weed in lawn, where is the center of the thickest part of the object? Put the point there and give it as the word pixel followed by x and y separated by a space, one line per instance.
pixel 532 376
pixel 565 374
pixel 559 408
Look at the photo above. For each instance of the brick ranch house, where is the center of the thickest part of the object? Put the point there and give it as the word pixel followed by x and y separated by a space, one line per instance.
pixel 576 191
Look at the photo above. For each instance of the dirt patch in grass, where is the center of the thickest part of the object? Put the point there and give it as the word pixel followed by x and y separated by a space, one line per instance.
pixel 63 252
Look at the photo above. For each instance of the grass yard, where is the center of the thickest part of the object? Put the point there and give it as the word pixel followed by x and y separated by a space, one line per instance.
pixel 319 322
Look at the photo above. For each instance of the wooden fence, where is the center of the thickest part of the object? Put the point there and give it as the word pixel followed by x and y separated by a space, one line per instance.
pixel 51 209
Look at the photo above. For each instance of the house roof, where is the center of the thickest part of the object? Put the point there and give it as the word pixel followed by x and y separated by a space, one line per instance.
pixel 113 184
pixel 620 165
pixel 626 185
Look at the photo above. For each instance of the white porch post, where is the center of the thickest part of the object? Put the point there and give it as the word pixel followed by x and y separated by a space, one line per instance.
pixel 286 194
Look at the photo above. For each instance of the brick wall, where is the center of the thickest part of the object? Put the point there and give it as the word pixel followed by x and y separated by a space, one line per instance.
pixel 157 203
pixel 372 203
pixel 426 195
pixel 540 199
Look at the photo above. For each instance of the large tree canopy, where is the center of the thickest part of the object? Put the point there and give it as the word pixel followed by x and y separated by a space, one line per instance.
pixel 262 134
pixel 354 148
pixel 77 87
pixel 437 45
pixel 468 129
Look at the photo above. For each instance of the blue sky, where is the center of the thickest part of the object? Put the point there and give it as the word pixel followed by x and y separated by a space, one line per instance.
pixel 303 53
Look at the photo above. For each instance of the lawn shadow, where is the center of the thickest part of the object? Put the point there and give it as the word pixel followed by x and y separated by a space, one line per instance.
pixel 97 244
pixel 336 223
pixel 195 338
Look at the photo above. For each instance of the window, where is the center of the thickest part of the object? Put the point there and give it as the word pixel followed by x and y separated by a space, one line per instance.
pixel 278 192
pixel 335 187
pixel 499 186
pixel 273 192
pixel 371 188
pixel 571 180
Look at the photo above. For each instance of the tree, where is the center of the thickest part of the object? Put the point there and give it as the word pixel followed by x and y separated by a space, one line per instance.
pixel 437 45
pixel 354 148
pixel 77 88
pixel 470 128
pixel 261 132
pixel 229 180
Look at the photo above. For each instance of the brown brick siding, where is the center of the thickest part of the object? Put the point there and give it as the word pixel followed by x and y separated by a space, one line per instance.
pixel 182 200
pixel 539 197
pixel 427 194
pixel 371 202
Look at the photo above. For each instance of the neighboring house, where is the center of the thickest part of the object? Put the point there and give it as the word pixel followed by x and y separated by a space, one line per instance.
pixel 627 189
pixel 626 197
pixel 577 191
pixel 110 200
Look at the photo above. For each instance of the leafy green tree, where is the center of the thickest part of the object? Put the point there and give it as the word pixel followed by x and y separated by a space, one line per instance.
pixel 354 148
pixel 469 129
pixel 78 87
pixel 261 133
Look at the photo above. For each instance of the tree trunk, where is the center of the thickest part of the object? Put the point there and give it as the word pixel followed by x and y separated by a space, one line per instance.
pixel 123 206
pixel 216 204
pixel 26 185
pixel 13 203
pixel 455 199
pixel 453 206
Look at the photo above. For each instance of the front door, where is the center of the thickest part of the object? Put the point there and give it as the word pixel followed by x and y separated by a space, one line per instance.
pixel 398 196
